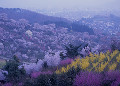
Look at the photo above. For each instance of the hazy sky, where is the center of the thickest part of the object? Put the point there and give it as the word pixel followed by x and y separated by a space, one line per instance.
pixel 83 4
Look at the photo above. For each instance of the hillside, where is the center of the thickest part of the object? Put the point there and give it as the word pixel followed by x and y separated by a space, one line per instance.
pixel 33 17
pixel 31 41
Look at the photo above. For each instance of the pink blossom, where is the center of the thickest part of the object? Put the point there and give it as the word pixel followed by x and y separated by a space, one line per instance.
pixel 36 74
pixel 116 83
pixel 8 84
pixel 88 79
pixel 66 61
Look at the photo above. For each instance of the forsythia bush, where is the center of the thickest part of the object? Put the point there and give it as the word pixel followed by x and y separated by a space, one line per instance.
pixel 95 62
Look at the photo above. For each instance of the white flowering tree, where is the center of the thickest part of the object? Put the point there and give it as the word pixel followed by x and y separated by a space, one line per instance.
pixel 32 67
pixel 52 59
pixel 85 51
pixel 2 77
pixel 96 49
pixel 29 33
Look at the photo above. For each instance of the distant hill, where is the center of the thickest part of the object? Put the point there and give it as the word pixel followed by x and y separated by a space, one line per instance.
pixel 33 17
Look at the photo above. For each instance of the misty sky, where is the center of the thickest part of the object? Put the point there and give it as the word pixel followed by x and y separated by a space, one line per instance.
pixel 41 4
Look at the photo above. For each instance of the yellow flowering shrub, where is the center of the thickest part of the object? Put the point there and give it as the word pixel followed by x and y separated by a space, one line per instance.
pixel 84 65
pixel 113 66
pixel 102 57
pixel 94 62
pixel 114 53
pixel 118 58
pixel 101 67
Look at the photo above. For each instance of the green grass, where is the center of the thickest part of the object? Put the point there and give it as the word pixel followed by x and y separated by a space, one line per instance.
pixel 2 63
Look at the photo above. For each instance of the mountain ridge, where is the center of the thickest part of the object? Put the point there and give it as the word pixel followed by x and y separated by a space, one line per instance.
pixel 33 17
